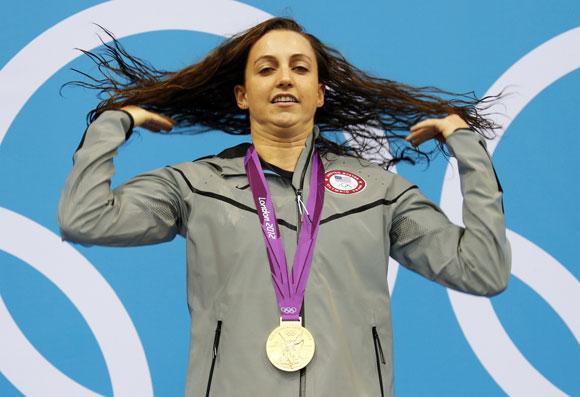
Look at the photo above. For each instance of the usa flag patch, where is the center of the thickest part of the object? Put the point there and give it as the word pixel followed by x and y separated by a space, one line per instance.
pixel 343 182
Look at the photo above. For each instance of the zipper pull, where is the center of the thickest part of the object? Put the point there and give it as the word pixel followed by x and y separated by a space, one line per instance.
pixel 301 207
pixel 378 342
pixel 216 339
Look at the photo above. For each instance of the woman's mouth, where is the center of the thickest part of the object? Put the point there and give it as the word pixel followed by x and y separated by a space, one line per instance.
pixel 284 100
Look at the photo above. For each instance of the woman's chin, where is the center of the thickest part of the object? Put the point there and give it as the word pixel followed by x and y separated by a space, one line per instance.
pixel 285 122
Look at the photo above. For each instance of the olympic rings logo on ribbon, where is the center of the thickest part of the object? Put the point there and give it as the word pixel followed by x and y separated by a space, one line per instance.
pixel 288 310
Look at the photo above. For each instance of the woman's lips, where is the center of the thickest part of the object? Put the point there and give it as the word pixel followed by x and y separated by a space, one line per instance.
pixel 284 104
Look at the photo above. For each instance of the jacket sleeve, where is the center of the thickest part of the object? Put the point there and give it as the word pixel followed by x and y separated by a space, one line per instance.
pixel 476 258
pixel 147 209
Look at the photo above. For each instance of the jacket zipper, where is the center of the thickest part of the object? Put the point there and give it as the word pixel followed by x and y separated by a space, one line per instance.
pixel 216 343
pixel 379 356
pixel 299 203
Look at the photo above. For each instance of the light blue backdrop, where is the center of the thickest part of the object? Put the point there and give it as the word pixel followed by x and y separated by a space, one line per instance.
pixel 457 45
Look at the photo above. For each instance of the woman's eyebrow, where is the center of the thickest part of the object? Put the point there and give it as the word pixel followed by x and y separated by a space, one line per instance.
pixel 292 57
pixel 265 58
pixel 301 56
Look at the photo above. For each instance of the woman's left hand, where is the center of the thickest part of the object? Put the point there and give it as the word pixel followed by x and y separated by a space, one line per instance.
pixel 439 129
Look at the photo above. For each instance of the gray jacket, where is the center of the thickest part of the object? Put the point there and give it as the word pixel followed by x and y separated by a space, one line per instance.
pixel 230 295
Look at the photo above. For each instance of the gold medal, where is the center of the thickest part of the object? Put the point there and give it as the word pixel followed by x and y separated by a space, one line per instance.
pixel 290 347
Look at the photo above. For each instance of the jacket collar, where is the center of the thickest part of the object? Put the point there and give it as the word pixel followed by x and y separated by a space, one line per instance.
pixel 230 162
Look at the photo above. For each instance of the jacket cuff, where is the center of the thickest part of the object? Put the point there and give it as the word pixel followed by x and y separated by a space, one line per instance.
pixel 126 119
pixel 129 129
pixel 461 138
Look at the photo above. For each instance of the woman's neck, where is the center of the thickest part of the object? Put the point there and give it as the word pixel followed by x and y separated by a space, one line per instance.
pixel 281 151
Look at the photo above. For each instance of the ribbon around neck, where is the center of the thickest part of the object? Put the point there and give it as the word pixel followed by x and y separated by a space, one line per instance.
pixel 289 288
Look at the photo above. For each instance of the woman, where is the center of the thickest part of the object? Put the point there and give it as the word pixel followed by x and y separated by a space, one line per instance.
pixel 334 216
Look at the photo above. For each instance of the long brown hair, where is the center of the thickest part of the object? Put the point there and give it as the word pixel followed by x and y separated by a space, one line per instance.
pixel 200 97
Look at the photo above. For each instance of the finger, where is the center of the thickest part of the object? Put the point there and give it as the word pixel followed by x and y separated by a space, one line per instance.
pixel 163 122
pixel 412 135
pixel 422 140
pixel 420 136
pixel 435 135
pixel 168 120
pixel 425 123
pixel 414 139
pixel 419 132
pixel 165 127
pixel 159 123
pixel 151 126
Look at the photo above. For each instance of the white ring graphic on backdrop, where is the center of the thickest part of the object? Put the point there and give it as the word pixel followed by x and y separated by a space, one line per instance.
pixel 62 264
pixel 536 268
pixel 83 285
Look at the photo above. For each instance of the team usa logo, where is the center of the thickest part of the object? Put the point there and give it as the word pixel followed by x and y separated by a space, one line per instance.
pixel 343 182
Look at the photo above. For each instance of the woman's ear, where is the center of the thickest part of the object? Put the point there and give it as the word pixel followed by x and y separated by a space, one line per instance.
pixel 241 99
pixel 321 90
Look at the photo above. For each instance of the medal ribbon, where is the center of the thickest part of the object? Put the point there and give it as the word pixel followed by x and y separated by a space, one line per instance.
pixel 289 288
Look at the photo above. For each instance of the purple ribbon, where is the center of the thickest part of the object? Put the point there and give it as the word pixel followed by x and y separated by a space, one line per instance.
pixel 289 288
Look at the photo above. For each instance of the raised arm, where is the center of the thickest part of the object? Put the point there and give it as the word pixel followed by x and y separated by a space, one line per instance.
pixel 475 258
pixel 145 210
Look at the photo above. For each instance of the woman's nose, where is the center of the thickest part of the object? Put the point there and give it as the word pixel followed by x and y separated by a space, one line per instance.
pixel 284 78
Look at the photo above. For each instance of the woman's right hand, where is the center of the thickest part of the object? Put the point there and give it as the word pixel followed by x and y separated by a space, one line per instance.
pixel 149 120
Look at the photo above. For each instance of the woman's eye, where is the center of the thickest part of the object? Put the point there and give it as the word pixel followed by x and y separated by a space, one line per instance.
pixel 265 70
pixel 301 69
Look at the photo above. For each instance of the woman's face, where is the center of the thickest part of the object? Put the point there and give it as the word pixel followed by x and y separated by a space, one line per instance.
pixel 281 88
